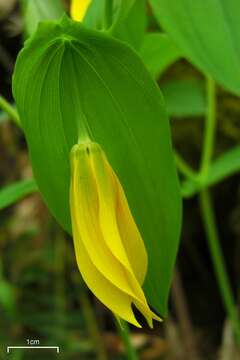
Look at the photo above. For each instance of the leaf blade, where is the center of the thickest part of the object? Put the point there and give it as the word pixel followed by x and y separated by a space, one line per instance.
pixel 14 192
pixel 158 52
pixel 39 10
pixel 208 33
pixel 184 98
pixel 88 84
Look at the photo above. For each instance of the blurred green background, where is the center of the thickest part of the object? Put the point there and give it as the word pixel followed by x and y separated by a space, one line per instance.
pixel 42 296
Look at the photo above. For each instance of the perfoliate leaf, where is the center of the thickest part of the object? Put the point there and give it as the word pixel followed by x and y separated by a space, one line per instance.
pixel 132 28
pixel 94 17
pixel 123 7
pixel 133 22
pixel 208 33
pixel 184 98
pixel 72 84
pixel 158 52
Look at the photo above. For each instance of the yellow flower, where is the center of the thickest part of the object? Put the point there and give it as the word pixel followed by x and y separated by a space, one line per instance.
pixel 79 8
pixel 110 252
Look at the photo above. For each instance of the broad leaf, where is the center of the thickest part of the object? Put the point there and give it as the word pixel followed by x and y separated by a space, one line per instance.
pixel 95 14
pixel 39 10
pixel 72 84
pixel 226 165
pixel 208 33
pixel 184 98
pixel 123 8
pixel 94 17
pixel 14 192
pixel 158 52
pixel 132 26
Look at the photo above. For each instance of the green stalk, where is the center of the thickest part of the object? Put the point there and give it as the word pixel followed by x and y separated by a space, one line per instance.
pixel 218 261
pixel 208 142
pixel 210 124
pixel 60 285
pixel 124 332
pixel 208 217
pixel 9 109
pixel 92 325
pixel 184 168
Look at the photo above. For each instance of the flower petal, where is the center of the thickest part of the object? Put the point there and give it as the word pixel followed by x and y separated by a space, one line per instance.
pixel 98 206
pixel 107 192
pixel 113 298
pixel 130 235
pixel 84 201
pixel 79 8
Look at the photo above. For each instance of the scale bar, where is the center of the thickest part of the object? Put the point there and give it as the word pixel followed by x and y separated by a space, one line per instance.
pixel 33 347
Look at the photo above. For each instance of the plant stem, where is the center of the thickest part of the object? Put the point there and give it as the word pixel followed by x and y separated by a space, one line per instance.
pixel 207 213
pixel 208 142
pixel 218 261
pixel 184 168
pixel 92 325
pixel 181 307
pixel 210 124
pixel 60 285
pixel 124 332
pixel 9 109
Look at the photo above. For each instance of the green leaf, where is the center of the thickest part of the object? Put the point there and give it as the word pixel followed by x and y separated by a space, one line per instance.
pixel 39 10
pixel 226 165
pixel 123 8
pixel 72 84
pixel 7 296
pixel 133 22
pixel 208 33
pixel 14 192
pixel 94 17
pixel 184 98
pixel 132 28
pixel 3 117
pixel 158 52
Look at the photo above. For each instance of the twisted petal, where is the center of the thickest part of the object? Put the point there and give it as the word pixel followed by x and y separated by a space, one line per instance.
pixel 110 251
pixel 79 8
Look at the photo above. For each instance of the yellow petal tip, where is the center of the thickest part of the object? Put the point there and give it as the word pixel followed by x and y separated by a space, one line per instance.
pixel 78 9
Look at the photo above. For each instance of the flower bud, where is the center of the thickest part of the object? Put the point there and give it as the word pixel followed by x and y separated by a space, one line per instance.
pixel 110 252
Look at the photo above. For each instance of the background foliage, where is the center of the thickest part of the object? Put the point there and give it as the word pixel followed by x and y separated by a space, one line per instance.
pixel 41 293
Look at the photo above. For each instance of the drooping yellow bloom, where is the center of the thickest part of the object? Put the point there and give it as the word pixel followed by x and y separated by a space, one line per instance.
pixel 110 252
pixel 79 8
